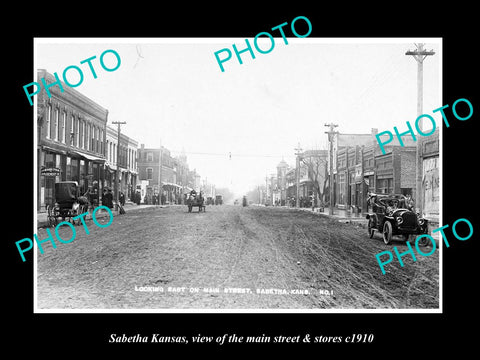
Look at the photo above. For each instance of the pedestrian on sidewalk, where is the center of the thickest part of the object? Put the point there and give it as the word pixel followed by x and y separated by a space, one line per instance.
pixel 107 198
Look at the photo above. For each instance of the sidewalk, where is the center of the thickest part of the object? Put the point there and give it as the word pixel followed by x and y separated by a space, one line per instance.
pixel 42 220
pixel 341 215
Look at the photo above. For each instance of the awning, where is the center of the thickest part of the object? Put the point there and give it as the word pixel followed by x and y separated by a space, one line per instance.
pixel 88 156
pixel 171 184
pixel 58 151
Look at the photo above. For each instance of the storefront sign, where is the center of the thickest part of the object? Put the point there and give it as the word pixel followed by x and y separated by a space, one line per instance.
pixel 50 171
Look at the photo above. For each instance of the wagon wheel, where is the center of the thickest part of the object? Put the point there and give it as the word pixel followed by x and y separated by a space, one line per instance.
pixel 387 232
pixel 52 221
pixel 370 229
pixel 51 216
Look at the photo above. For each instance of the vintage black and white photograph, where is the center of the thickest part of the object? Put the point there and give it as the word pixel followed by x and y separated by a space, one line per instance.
pixel 270 174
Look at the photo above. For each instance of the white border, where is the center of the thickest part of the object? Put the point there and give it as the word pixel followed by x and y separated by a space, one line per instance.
pixel 438 41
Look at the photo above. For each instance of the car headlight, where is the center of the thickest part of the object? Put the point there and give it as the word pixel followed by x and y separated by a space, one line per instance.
pixel 399 220
pixel 421 221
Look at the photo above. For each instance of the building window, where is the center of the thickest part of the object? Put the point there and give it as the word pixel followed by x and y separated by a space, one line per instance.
pixel 149 156
pixel 55 125
pixel 87 137
pixel 82 139
pixel 63 129
pixel 71 132
pixel 77 132
pixel 341 188
pixel 49 123
pixel 385 186
pixel 102 144
pixel 114 153
pixel 82 132
pixel 95 138
pixel 149 174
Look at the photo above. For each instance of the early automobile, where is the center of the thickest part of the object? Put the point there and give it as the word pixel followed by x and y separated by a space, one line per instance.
pixel 218 200
pixel 392 215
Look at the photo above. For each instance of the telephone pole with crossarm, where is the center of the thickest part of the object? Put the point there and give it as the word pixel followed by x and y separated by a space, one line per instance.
pixel 419 55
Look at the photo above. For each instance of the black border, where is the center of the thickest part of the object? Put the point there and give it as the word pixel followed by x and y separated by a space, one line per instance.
pixel 403 333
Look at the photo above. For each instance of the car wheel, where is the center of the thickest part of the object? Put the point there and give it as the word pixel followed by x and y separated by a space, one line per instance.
pixel 423 241
pixel 370 229
pixel 387 232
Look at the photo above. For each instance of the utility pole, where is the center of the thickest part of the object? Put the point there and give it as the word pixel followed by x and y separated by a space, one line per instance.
pixel 419 55
pixel 160 166
pixel 298 152
pixel 117 180
pixel 331 134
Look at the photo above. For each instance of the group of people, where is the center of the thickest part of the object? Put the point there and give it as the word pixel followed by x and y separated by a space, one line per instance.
pixel 155 199
pixel 405 203
pixel 107 198
pixel 304 202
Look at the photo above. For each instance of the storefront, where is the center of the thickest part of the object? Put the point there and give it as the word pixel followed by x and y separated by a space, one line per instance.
pixel 172 193
pixel 56 165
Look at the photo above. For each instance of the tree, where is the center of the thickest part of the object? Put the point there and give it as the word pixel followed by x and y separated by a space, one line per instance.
pixel 316 164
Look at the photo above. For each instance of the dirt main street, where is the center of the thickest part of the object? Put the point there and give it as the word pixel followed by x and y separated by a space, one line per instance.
pixel 229 257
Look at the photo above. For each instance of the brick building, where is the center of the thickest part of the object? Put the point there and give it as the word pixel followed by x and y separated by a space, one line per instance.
pixel 360 167
pixel 350 190
pixel 160 173
pixel 71 133
pixel 125 167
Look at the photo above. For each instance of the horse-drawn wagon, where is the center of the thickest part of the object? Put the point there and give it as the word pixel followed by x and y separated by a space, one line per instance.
pixel 68 203
pixel 195 200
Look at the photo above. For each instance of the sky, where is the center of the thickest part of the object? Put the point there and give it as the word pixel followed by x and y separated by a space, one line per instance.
pixel 172 92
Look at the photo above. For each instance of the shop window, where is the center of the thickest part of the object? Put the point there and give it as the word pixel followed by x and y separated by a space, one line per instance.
pixel 341 188
pixel 385 186
pixel 74 169
pixel 68 169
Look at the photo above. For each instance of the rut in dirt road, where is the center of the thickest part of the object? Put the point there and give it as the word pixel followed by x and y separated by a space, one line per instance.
pixel 229 257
